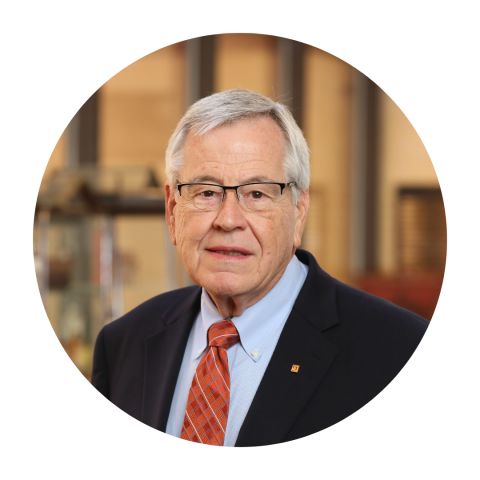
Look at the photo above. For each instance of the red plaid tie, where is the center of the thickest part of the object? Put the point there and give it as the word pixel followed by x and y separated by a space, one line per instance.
pixel 209 397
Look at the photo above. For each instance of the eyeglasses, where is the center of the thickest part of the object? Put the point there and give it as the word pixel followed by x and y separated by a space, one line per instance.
pixel 253 196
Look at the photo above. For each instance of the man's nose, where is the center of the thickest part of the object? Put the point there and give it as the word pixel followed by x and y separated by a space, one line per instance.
pixel 230 214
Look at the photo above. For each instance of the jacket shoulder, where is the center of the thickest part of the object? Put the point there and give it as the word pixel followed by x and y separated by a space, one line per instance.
pixel 149 315
pixel 373 306
pixel 378 325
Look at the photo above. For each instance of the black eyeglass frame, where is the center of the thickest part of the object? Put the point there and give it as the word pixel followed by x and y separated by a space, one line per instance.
pixel 281 185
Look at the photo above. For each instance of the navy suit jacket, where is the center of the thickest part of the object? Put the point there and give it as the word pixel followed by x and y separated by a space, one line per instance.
pixel 349 345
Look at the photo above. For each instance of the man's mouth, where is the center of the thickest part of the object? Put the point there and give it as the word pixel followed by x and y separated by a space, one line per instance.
pixel 223 252
pixel 231 251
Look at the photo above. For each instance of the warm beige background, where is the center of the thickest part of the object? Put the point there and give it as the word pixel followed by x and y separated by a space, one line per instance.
pixel 139 109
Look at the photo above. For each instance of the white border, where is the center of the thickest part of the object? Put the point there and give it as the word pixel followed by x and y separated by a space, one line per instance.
pixel 55 54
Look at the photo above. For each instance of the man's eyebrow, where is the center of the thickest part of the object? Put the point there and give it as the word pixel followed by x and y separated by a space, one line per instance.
pixel 205 178
pixel 259 178
pixel 216 180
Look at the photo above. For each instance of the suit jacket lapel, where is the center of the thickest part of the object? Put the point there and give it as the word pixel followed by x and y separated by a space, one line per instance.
pixel 282 394
pixel 163 358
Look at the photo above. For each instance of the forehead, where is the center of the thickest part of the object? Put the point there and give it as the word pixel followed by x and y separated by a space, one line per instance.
pixel 245 149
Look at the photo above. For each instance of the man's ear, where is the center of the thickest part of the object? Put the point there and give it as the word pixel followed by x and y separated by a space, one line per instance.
pixel 301 211
pixel 170 203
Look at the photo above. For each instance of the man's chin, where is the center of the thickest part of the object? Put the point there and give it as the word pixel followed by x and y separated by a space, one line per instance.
pixel 225 285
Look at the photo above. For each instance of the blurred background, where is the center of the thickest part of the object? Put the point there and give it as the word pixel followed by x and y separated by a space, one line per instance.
pixel 101 245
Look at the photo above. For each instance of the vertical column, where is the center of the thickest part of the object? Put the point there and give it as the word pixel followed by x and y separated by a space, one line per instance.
pixel 290 73
pixel 44 256
pixel 106 268
pixel 364 175
pixel 111 281
pixel 82 155
pixel 82 143
pixel 200 68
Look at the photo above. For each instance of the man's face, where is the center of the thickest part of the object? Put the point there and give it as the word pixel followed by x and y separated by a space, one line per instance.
pixel 244 152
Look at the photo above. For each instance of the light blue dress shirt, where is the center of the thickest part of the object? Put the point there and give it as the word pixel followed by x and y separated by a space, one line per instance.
pixel 259 327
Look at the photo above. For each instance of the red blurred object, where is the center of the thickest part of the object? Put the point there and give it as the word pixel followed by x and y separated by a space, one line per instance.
pixel 416 292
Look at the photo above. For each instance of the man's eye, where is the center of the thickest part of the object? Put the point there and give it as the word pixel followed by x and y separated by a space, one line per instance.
pixel 208 193
pixel 256 195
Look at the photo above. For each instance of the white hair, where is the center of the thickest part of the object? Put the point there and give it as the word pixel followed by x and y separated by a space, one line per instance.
pixel 231 106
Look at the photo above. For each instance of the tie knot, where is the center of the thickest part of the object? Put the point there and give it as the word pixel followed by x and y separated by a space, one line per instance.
pixel 223 334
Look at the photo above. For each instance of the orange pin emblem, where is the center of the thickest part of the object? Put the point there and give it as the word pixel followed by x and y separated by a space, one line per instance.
pixel 295 368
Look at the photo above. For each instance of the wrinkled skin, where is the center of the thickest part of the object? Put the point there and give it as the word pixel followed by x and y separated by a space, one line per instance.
pixel 245 151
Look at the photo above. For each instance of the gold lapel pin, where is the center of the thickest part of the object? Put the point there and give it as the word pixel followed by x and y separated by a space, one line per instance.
pixel 295 368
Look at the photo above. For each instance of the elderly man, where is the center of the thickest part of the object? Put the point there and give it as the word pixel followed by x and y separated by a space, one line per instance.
pixel 267 348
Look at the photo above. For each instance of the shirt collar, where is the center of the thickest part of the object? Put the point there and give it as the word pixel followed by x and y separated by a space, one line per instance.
pixel 258 323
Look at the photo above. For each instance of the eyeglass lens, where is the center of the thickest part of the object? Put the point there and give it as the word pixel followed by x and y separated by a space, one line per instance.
pixel 255 196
